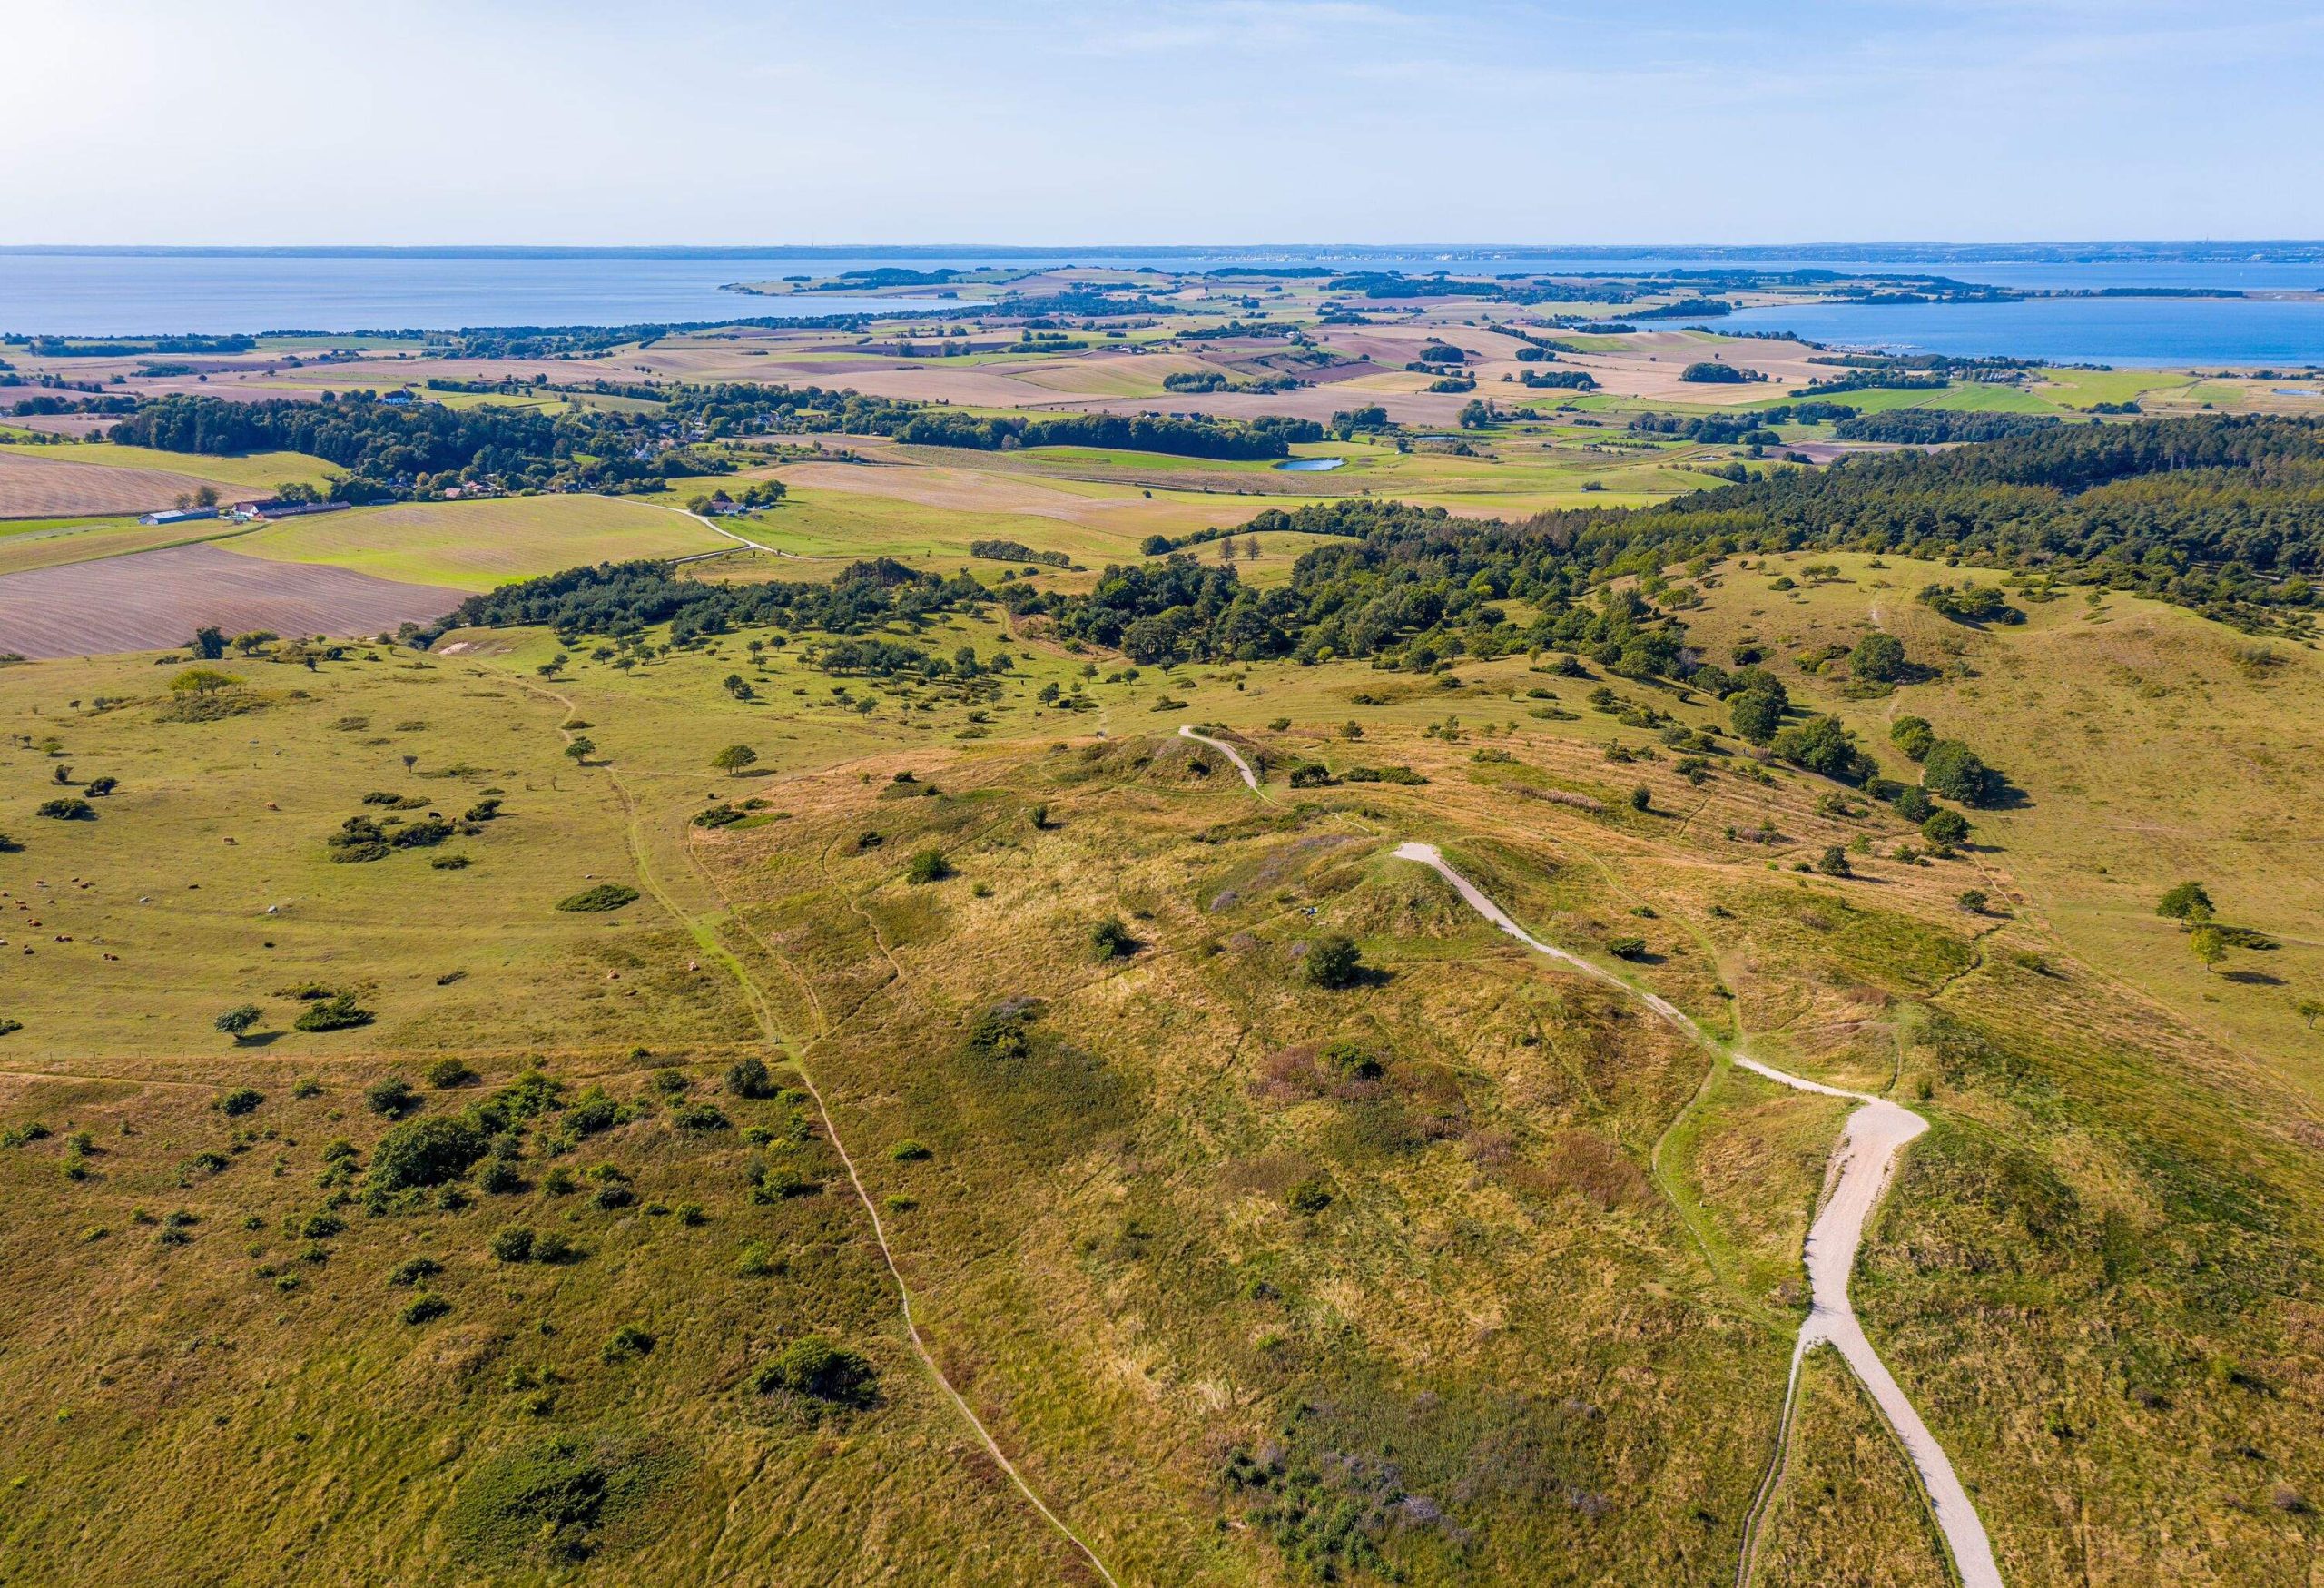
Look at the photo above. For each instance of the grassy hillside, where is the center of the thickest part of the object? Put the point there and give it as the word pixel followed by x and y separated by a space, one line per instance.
pixel 1467 1271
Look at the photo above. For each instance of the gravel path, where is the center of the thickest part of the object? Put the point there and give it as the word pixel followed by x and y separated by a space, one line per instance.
pixel 1874 1134
pixel 1241 765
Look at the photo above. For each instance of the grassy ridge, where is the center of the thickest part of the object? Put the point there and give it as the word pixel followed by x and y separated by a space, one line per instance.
pixel 1515 1305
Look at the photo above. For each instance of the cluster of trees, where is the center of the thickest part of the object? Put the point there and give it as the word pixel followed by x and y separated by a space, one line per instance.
pixel 395 450
pixel 2221 513
pixel 1575 380
pixel 1729 429
pixel 61 347
pixel 1948 766
pixel 1923 427
pixel 1017 551
pixel 1970 603
pixel 744 409
pixel 1710 372
pixel 1402 582
pixel 562 342
pixel 1264 437
pixel 622 598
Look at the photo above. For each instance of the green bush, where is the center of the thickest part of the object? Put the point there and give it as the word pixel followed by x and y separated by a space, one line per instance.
pixel 549 1246
pixel 1945 828
pixel 426 1153
pixel 1333 961
pixel 748 1078
pixel 404 1275
pixel 67 810
pixel 592 1113
pixel 1310 1196
pixel 242 1101
pixel 927 866
pixel 337 1013
pixel 1878 658
pixel 907 1151
pixel 448 1073
pixel 813 1367
pixel 1626 948
pixel 511 1243
pixel 499 1180
pixel 1112 940
pixel 391 1096
pixel 603 897
pixel 425 1308
pixel 628 1343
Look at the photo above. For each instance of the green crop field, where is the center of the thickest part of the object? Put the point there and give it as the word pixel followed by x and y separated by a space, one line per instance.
pixel 474 545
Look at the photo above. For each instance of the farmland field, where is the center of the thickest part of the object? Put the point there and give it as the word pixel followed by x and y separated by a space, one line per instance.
pixel 474 545
pixel 150 599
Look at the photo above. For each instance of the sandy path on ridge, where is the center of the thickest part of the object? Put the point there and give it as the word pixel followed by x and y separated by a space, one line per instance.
pixel 1874 1136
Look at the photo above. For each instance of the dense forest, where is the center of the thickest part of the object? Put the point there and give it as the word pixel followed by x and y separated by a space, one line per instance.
pixel 395 449
pixel 2222 513
pixel 1927 426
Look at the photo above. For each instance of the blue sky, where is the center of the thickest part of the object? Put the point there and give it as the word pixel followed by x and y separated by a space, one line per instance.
pixel 1170 120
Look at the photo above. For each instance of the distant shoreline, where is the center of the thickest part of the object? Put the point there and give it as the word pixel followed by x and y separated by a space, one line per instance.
pixel 2279 251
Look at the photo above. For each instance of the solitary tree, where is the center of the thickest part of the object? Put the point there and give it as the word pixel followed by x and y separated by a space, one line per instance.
pixel 1952 769
pixel 1945 828
pixel 582 747
pixel 2210 944
pixel 235 1021
pixel 2187 902
pixel 1334 962
pixel 202 681
pixel 734 758
pixel 2311 1010
pixel 1878 657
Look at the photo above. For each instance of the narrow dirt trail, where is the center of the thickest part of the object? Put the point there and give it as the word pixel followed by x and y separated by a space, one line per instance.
pixel 1874 1134
pixel 788 1050
pixel 1250 777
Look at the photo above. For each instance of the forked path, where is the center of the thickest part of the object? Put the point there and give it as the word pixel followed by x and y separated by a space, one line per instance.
pixel 1869 1144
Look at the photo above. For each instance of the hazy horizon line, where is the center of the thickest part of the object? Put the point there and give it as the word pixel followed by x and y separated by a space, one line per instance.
pixel 771 249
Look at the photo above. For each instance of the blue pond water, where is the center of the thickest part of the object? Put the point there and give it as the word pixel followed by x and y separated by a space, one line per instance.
pixel 1309 465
